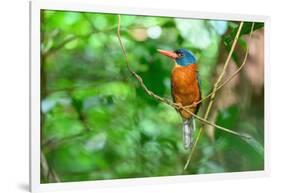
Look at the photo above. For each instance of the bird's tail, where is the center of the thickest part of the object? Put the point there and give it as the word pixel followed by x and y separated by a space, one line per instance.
pixel 188 129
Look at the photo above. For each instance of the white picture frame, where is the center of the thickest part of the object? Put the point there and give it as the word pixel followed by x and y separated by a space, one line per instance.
pixel 36 6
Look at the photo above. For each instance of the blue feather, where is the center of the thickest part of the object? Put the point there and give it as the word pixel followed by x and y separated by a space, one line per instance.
pixel 187 57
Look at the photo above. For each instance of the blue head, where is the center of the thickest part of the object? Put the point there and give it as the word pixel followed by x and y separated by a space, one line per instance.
pixel 182 56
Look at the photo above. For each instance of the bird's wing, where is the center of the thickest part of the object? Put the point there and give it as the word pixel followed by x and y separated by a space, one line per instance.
pixel 199 87
pixel 172 89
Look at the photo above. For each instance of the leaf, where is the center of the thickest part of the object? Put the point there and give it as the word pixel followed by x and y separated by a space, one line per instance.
pixel 195 32
pixel 246 29
pixel 246 152
pixel 256 145
pixel 228 117
pixel 219 26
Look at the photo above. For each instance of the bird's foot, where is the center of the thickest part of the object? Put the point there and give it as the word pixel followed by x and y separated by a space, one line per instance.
pixel 193 105
pixel 178 105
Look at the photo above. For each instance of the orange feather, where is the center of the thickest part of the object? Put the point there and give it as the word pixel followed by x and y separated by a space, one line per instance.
pixel 185 87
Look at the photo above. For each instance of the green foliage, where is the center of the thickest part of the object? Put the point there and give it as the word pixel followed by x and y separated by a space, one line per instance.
pixel 97 123
pixel 246 29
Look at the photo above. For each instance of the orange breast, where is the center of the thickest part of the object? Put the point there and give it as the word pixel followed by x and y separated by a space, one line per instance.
pixel 185 87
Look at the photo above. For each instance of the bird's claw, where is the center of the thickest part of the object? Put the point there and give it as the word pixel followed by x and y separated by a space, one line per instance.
pixel 193 105
pixel 178 105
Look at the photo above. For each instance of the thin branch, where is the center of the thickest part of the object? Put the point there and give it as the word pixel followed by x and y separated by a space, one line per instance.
pixel 59 46
pixel 163 100
pixel 71 38
pixel 53 143
pixel 216 87
pixel 46 172
pixel 229 78
pixel 213 94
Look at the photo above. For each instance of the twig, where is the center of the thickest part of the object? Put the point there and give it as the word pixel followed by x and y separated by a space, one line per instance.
pixel 48 173
pixel 223 70
pixel 229 78
pixel 216 87
pixel 213 94
pixel 53 143
pixel 163 100
pixel 71 38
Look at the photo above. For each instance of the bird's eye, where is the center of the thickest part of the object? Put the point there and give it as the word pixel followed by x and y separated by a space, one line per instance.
pixel 180 54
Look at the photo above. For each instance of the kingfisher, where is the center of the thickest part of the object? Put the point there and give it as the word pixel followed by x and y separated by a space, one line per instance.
pixel 185 88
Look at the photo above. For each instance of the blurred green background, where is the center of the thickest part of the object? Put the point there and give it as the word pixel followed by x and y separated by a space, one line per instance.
pixel 97 122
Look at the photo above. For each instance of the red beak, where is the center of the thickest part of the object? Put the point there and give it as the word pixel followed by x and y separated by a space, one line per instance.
pixel 170 54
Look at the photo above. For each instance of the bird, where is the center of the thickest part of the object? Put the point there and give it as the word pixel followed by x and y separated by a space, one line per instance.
pixel 185 88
